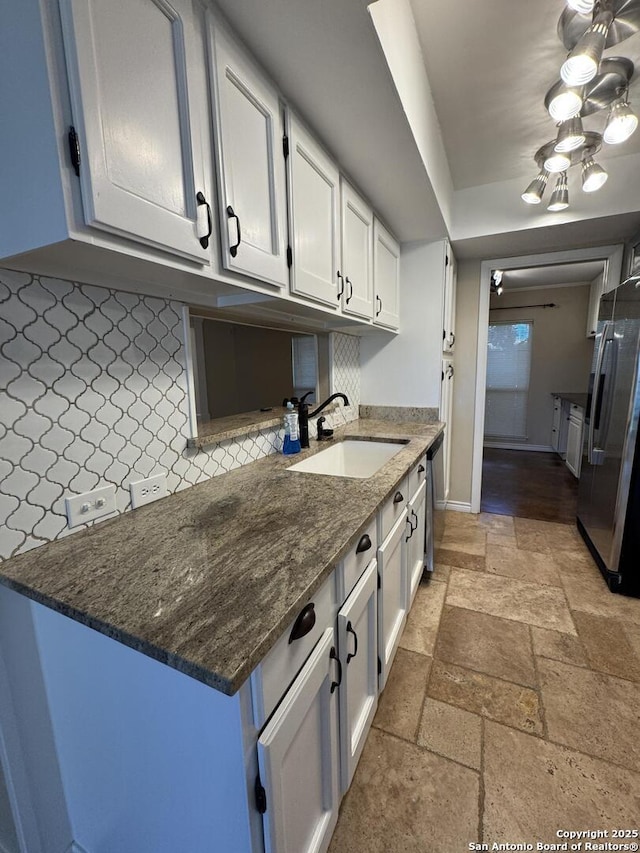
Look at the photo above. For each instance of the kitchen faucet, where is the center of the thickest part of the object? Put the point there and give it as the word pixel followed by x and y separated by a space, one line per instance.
pixel 304 414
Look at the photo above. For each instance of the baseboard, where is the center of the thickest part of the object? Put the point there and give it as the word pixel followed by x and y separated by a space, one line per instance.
pixel 458 506
pixel 504 445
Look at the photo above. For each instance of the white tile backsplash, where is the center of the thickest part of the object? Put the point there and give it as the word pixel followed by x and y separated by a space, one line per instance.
pixel 93 390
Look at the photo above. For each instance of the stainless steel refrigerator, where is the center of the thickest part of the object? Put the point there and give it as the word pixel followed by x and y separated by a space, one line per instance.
pixel 609 488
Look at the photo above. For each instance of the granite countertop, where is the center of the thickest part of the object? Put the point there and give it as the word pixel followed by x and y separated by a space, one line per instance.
pixel 576 398
pixel 207 579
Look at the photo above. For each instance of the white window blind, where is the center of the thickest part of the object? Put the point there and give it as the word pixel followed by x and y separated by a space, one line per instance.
pixel 305 364
pixel 508 369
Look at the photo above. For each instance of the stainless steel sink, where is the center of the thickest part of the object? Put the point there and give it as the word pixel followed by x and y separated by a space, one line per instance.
pixel 349 458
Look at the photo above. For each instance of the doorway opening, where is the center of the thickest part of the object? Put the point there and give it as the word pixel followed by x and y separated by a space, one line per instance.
pixel 537 335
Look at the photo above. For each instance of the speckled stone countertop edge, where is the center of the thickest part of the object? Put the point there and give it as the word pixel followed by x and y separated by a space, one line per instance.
pixel 576 397
pixel 233 667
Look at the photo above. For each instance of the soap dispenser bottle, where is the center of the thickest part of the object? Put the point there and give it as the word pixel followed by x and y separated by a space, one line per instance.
pixel 291 432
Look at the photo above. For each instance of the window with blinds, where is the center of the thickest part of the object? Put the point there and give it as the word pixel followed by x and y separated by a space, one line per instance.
pixel 508 370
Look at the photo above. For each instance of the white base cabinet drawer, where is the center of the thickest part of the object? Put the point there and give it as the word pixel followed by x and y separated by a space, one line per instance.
pixel 270 679
pixel 298 758
pixel 358 649
pixel 393 510
pixel 356 561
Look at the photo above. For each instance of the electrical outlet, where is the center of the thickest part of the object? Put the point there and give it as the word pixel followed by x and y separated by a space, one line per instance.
pixel 90 506
pixel 145 491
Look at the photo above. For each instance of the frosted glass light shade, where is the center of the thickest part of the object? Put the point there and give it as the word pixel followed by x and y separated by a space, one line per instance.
pixel 593 175
pixel 566 104
pixel 582 64
pixel 560 196
pixel 583 7
pixel 621 123
pixel 534 192
pixel 557 162
pixel 570 135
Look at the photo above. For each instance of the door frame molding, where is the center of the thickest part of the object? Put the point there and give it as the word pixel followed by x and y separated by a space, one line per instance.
pixel 612 256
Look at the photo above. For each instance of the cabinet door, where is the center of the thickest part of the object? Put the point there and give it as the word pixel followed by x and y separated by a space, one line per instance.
pixel 298 758
pixel 555 426
pixel 314 208
pixel 357 253
pixel 574 446
pixel 386 277
pixel 358 645
pixel 250 159
pixel 392 595
pixel 416 539
pixel 449 316
pixel 141 166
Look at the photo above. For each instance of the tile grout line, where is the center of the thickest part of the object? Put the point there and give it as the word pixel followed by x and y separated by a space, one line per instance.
pixel 543 715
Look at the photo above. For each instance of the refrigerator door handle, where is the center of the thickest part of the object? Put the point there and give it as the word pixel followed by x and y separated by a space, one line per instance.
pixel 596 393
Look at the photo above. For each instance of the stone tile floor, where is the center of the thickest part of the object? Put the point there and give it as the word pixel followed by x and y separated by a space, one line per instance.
pixel 512 710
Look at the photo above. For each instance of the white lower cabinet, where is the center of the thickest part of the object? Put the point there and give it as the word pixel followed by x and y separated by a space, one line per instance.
pixel 392 595
pixel 415 539
pixel 358 648
pixel 298 758
pixel 574 440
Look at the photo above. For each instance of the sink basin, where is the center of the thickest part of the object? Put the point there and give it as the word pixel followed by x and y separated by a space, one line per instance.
pixel 359 459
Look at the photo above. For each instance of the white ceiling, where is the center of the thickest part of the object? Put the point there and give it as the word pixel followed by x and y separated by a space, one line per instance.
pixel 490 65
pixel 552 276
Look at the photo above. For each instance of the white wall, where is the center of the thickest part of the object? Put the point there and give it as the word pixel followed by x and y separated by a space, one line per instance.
pixel 405 370
pixel 464 389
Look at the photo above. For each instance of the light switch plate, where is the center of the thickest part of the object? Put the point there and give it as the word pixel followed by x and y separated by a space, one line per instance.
pixel 145 491
pixel 90 506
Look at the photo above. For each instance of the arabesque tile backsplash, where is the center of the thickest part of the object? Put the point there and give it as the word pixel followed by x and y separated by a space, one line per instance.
pixel 93 390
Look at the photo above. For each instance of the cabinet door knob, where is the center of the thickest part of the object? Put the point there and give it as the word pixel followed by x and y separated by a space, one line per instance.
pixel 233 250
pixel 421 469
pixel 355 642
pixel 350 283
pixel 380 308
pixel 364 544
pixel 340 284
pixel 398 498
pixel 333 655
pixel 204 241
pixel 304 623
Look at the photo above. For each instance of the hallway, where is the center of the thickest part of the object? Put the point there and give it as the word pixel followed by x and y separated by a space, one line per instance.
pixel 513 706
pixel 528 484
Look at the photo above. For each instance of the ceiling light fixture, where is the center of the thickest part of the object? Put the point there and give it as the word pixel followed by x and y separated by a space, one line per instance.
pixel 582 7
pixel 593 175
pixel 560 195
pixel 570 135
pixel 583 62
pixel 621 123
pixel 565 103
pixel 588 85
pixel 534 192
pixel 496 282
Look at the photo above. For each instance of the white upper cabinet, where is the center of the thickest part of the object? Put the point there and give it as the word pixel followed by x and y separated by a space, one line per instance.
pixel 357 253
pixel 595 292
pixel 250 161
pixel 314 216
pixel 141 162
pixel 386 277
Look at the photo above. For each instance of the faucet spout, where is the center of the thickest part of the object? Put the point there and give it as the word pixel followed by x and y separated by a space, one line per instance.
pixel 304 415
